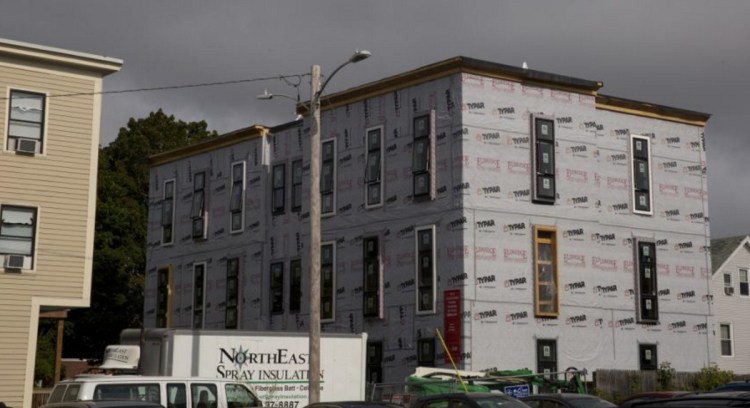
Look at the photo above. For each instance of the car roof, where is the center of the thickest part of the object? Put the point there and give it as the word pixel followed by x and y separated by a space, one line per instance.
pixel 354 404
pixel 91 378
pixel 103 404
pixel 560 396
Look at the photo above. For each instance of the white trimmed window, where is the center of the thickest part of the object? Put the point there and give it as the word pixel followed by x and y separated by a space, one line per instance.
pixel 198 210
pixel 18 236
pixel 423 157
pixel 425 269
pixel 237 197
pixel 543 156
pixel 640 167
pixel 374 167
pixel 725 338
pixel 327 282
pixel 199 295
pixel 728 287
pixel 26 122
pixel 647 305
pixel 328 177
pixel 744 290
pixel 167 213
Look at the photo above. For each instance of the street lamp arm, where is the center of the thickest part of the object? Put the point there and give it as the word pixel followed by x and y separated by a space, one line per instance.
pixel 359 55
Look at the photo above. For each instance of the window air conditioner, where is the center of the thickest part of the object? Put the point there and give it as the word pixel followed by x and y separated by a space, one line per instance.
pixel 729 290
pixel 14 262
pixel 26 145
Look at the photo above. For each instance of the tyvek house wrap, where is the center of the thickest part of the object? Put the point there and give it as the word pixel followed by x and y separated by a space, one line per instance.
pixel 483 219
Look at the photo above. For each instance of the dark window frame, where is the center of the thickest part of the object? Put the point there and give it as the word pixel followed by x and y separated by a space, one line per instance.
pixel 647 356
pixel 543 159
pixel 163 309
pixel 297 169
pixel 276 287
pixel 641 182
pixel 328 183
pixel 295 285
pixel 426 274
pixel 328 283
pixel 198 210
pixel 374 179
pixel 423 157
pixel 372 280
pixel 199 295
pixel 426 353
pixel 646 281
pixel 232 299
pixel 278 189
pixel 168 212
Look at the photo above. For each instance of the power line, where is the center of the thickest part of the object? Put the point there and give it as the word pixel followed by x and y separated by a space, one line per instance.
pixel 161 88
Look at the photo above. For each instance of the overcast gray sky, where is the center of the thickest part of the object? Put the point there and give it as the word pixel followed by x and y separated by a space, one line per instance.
pixel 688 54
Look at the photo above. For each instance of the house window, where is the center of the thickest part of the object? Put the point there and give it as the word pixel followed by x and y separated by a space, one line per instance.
pixel 728 288
pixel 647 300
pixel 198 211
pixel 277 287
pixel 546 288
pixel 423 157
pixel 374 168
pixel 640 154
pixel 163 297
pixel 543 154
pixel 295 285
pixel 233 292
pixel 725 333
pixel 373 303
pixel 26 121
pixel 167 213
pixel 297 185
pixel 279 189
pixel 647 353
pixel 18 234
pixel 743 283
pixel 237 197
pixel 328 177
pixel 199 297
pixel 546 361
pixel 426 352
pixel 328 282
pixel 426 271
pixel 374 362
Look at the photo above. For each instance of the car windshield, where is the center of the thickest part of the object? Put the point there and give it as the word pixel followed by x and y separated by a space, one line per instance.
pixel 499 402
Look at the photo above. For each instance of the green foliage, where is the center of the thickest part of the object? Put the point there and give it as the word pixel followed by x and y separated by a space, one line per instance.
pixel 121 225
pixel 665 375
pixel 634 381
pixel 44 368
pixel 711 377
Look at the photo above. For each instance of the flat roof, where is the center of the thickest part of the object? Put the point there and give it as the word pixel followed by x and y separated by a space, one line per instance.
pixel 101 64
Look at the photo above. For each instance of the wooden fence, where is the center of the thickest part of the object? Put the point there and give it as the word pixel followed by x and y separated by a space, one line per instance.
pixel 39 397
pixel 618 384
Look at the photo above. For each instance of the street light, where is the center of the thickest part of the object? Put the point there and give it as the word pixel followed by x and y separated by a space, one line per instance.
pixel 315 91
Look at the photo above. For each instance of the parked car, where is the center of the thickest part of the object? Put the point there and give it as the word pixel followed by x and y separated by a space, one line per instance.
pixel 354 404
pixel 468 400
pixel 733 386
pixel 649 396
pixel 566 400
pixel 707 399
pixel 103 404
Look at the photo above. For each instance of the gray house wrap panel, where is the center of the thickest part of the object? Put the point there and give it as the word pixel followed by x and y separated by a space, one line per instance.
pixel 481 214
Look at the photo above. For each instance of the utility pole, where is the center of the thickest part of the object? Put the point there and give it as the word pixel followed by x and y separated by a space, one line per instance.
pixel 314 324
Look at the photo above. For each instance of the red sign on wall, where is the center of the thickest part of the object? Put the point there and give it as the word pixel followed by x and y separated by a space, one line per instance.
pixel 452 324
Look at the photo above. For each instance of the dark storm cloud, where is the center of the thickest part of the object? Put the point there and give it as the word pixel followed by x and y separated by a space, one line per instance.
pixel 687 54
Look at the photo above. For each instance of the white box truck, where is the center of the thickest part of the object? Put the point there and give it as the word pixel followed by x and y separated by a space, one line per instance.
pixel 275 364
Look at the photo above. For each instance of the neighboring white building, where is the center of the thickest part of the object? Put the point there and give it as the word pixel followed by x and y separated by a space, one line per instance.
pixel 730 259
pixel 532 220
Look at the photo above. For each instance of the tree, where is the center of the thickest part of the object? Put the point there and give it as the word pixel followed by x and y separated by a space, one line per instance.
pixel 121 225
